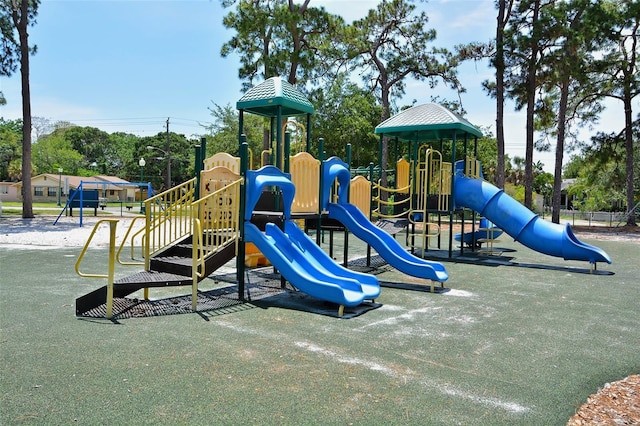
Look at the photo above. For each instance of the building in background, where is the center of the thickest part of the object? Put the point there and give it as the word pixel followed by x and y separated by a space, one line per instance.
pixel 47 186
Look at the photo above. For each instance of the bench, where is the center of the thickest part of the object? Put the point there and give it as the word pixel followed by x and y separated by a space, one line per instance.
pixel 90 199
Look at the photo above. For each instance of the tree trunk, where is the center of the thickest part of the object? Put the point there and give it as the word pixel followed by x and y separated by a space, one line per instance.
pixel 499 64
pixel 628 137
pixel 531 99
pixel 27 197
pixel 386 113
pixel 557 173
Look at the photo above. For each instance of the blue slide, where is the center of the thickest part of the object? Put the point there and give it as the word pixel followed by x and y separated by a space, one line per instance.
pixel 521 223
pixel 321 260
pixel 487 230
pixel 360 225
pixel 302 263
pixel 302 272
pixel 390 250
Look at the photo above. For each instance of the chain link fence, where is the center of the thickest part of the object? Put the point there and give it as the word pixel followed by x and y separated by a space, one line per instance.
pixel 610 219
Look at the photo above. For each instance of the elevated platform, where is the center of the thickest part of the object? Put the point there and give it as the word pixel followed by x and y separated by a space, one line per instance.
pixel 263 287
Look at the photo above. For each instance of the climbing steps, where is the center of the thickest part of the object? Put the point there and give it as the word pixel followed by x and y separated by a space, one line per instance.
pixel 171 268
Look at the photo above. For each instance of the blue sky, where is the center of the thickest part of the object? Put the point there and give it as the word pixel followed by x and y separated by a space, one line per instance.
pixel 126 65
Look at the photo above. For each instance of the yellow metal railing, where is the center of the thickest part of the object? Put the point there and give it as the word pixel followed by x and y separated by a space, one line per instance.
pixel 168 218
pixel 216 219
pixel 426 231
pixel 132 245
pixel 433 188
pixel 445 186
pixel 111 267
pixel 298 133
pixel 380 202
pixel 434 180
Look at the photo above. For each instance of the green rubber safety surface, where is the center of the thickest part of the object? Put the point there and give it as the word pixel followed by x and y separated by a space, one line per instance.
pixel 516 343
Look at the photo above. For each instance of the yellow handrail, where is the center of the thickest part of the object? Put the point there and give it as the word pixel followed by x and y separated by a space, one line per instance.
pixel 168 218
pixel 124 241
pixel 264 151
pixel 197 262
pixel 380 202
pixel 112 238
pixel 213 221
pixel 112 255
pixel 216 219
pixel 429 230
pixel 298 144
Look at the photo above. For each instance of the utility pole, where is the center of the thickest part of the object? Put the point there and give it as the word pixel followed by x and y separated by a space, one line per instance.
pixel 168 154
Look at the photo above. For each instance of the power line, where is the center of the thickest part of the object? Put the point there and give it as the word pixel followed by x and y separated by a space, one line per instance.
pixel 136 121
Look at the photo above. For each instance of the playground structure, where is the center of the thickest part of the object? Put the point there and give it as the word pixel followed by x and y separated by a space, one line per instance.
pixel 194 228
pixel 440 188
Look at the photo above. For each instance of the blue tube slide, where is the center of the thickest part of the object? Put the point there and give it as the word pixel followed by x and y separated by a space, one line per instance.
pixel 297 268
pixel 390 250
pixel 521 223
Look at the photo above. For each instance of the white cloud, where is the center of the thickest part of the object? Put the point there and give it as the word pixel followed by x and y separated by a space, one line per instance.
pixel 350 10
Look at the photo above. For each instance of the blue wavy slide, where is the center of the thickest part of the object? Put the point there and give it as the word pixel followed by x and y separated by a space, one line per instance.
pixel 321 260
pixel 390 250
pixel 521 223
pixel 309 272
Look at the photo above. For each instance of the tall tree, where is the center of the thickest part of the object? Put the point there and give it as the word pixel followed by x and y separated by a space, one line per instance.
pixel 619 75
pixel 223 132
pixel 562 70
pixel 525 44
pixel 281 38
pixel 504 13
pixel 390 45
pixel 575 32
pixel 17 16
pixel 347 113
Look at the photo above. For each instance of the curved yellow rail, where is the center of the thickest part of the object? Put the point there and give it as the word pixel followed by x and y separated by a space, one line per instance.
pixel 380 202
pixel 112 255
pixel 124 241
pixel 112 243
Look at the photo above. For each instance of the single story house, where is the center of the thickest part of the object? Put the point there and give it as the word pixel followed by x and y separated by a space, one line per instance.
pixel 9 191
pixel 47 187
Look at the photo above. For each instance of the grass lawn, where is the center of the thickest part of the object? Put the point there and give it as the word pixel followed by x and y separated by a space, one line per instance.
pixel 512 345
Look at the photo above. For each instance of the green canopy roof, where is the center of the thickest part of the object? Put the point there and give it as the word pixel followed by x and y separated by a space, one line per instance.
pixel 426 122
pixel 265 98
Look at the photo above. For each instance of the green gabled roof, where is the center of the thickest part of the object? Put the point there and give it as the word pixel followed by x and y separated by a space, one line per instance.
pixel 426 122
pixel 265 98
